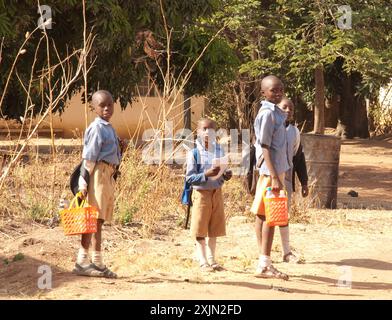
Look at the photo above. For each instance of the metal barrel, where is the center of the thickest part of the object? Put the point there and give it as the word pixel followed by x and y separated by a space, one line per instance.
pixel 322 153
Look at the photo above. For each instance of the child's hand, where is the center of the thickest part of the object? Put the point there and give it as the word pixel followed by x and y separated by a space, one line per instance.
pixel 228 175
pixel 212 172
pixel 305 191
pixel 82 194
pixel 276 184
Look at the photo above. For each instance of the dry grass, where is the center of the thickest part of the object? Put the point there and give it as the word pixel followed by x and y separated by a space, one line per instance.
pixel 143 196
pixel 33 188
pixel 147 197
pixel 146 194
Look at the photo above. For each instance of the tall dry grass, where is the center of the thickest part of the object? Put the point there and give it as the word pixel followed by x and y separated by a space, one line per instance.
pixel 144 196
pixel 147 194
pixel 33 189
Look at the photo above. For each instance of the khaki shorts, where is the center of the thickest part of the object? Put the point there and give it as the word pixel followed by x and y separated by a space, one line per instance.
pixel 101 190
pixel 208 216
pixel 262 184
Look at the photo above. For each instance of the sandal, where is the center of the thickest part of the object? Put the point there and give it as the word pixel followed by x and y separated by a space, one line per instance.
pixel 205 267
pixel 271 272
pixel 106 272
pixel 217 267
pixel 88 271
pixel 291 258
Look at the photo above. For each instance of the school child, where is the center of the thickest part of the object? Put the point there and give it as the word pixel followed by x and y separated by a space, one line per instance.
pixel 271 146
pixel 101 156
pixel 297 163
pixel 208 217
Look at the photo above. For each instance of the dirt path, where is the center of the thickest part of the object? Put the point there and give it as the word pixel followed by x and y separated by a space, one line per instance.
pixel 344 244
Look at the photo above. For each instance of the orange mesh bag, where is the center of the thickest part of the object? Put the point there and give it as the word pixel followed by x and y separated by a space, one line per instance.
pixel 79 218
pixel 276 211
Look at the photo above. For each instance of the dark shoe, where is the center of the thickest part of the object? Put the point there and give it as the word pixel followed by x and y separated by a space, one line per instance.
pixel 88 271
pixel 105 271
pixel 217 267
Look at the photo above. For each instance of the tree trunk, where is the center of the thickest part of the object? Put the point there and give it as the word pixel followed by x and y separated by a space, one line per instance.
pixel 332 111
pixel 360 123
pixel 353 118
pixel 319 125
pixel 344 128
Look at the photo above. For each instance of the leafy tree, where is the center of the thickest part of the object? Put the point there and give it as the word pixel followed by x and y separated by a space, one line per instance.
pixel 300 41
pixel 125 34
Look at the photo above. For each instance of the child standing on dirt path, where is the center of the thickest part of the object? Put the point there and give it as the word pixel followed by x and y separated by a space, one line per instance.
pixel 297 164
pixel 208 217
pixel 101 156
pixel 271 145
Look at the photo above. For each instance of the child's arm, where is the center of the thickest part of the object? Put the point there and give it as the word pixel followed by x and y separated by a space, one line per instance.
pixel 194 177
pixel 300 169
pixel 264 129
pixel 276 184
pixel 91 150
pixel 88 166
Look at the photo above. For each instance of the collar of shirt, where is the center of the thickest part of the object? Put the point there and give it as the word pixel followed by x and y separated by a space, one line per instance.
pixel 100 120
pixel 201 147
pixel 267 105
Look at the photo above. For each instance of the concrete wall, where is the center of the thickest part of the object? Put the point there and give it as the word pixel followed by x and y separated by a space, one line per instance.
pixel 136 118
pixel 385 97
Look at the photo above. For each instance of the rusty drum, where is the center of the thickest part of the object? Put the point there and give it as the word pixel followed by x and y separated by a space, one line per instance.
pixel 322 153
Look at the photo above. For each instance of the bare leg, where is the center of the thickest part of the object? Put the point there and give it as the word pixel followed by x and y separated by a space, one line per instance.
pixel 267 239
pixel 86 240
pixel 258 229
pixel 201 250
pixel 210 250
pixel 97 239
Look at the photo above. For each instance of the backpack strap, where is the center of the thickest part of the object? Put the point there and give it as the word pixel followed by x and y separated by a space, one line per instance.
pixel 187 192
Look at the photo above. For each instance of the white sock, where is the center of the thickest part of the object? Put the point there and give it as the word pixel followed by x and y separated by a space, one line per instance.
pixel 284 236
pixel 201 251
pixel 82 258
pixel 97 259
pixel 210 249
pixel 264 261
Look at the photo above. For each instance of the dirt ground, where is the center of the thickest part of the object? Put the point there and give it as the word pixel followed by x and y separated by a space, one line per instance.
pixel 347 252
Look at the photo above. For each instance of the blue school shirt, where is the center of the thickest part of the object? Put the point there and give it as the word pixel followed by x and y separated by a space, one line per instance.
pixel 270 130
pixel 197 179
pixel 101 143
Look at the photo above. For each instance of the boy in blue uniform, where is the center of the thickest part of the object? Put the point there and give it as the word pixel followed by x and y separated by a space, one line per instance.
pixel 101 156
pixel 208 217
pixel 271 145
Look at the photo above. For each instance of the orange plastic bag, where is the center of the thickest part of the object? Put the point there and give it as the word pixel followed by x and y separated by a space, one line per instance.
pixel 276 211
pixel 79 218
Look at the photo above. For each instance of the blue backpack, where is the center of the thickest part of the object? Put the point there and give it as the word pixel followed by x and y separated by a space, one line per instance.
pixel 186 197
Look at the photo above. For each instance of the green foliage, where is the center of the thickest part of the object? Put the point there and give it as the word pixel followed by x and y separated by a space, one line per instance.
pixel 290 38
pixel 118 52
pixel 18 257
